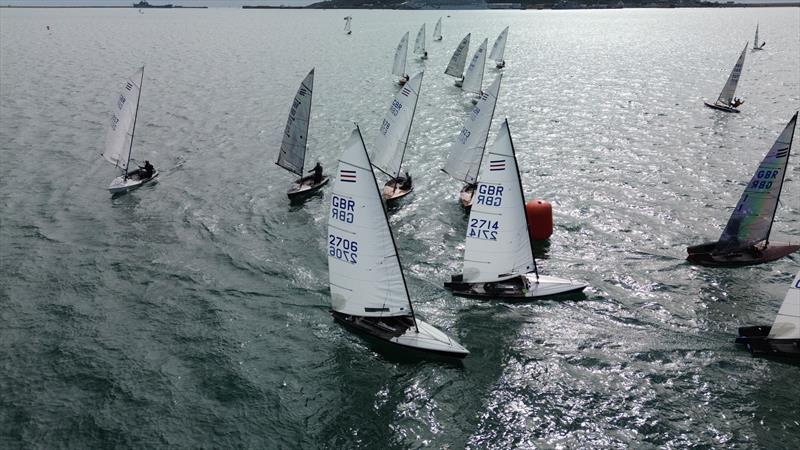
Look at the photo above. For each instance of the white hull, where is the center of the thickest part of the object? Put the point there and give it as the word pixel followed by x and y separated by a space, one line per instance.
pixel 430 339
pixel 121 184
pixel 305 186
pixel 546 286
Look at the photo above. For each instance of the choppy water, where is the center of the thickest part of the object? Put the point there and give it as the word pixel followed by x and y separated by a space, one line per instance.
pixel 194 312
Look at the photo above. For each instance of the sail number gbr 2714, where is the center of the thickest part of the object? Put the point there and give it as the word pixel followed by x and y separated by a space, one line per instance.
pixel 483 229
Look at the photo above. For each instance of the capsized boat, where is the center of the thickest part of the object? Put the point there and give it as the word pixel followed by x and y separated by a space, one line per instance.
pixel 466 155
pixel 368 289
pixel 347 21
pixel 783 337
pixel 745 240
pixel 392 140
pixel 119 140
pixel 726 100
pixel 437 30
pixel 419 43
pixel 292 155
pixel 473 78
pixel 455 68
pixel 400 54
pixel 755 41
pixel 499 49
pixel 498 259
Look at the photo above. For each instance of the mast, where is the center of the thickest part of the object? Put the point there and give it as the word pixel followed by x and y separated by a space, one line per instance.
pixel 522 194
pixel 783 176
pixel 133 130
pixel 410 123
pixel 391 234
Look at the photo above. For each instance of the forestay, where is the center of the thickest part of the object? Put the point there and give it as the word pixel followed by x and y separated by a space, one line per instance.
pixel 787 322
pixel 456 66
pixel 365 273
pixel 293 147
pixel 499 47
pixel 419 44
pixel 751 220
pixel 726 96
pixel 399 67
pixel 390 145
pixel 466 154
pixel 120 134
pixel 437 30
pixel 498 244
pixel 473 79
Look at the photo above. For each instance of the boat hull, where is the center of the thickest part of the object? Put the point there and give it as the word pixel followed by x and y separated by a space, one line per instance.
pixel 121 185
pixel 758 342
pixel 515 288
pixel 703 255
pixel 399 332
pixel 721 107
pixel 305 187
pixel 392 191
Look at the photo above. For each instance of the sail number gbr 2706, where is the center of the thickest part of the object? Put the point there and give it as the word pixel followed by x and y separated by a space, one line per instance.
pixel 342 248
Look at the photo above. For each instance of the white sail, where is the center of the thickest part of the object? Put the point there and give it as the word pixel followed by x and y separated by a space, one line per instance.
pixel 467 152
pixel 726 96
pixel 365 274
pixel 120 134
pixel 498 244
pixel 399 67
pixel 419 44
pixel 787 322
pixel 293 147
pixel 347 21
pixel 473 78
pixel 390 145
pixel 755 39
pixel 499 47
pixel 456 66
pixel 437 30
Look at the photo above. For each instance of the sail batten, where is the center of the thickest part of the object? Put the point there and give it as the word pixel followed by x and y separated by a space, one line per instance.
pixel 455 68
pixel 295 136
pixel 393 136
pixel 466 155
pixel 119 140
pixel 473 78
pixel 726 96
pixel 364 269
pixel 499 47
pixel 752 218
pixel 400 54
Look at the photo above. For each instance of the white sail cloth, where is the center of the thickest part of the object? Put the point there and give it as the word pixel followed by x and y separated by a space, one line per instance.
pixel 498 244
pixel 787 322
pixel 400 54
pixel 473 78
pixel 419 43
pixel 728 91
pixel 293 146
pixel 499 47
pixel 465 157
pixel 390 145
pixel 437 30
pixel 120 132
pixel 364 270
pixel 456 66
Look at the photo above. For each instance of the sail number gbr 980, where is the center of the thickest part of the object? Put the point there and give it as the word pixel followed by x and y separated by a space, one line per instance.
pixel 344 249
pixel 483 229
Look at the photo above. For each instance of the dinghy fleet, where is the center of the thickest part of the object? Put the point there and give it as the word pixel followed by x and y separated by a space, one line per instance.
pixel 369 294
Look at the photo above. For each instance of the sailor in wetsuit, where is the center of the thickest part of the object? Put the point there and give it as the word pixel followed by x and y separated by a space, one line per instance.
pixel 317 173
pixel 405 182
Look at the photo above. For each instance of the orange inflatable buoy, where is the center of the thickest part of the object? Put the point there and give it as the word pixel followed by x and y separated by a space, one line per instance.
pixel 540 219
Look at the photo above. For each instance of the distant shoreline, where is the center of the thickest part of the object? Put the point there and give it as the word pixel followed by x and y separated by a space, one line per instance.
pixel 719 5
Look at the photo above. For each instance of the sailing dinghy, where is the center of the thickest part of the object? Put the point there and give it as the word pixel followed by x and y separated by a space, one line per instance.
pixel 498 259
pixel 292 155
pixel 437 30
pixel 726 101
pixel 392 140
pixel 755 41
pixel 499 49
pixel 466 155
pixel 473 78
pixel 745 240
pixel 347 21
pixel 783 337
pixel 400 54
pixel 455 68
pixel 119 140
pixel 419 43
pixel 368 290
